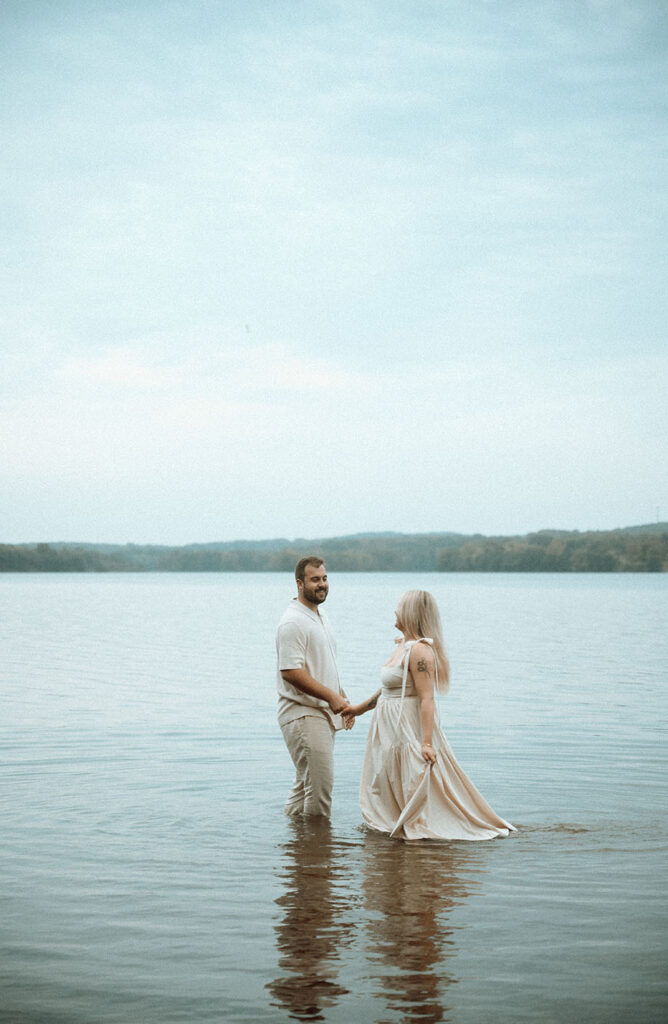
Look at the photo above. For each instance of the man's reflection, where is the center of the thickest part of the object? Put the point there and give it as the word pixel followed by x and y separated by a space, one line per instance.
pixel 313 927
pixel 409 890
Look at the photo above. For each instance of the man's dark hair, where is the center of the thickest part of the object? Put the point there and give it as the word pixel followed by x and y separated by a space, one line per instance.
pixel 314 560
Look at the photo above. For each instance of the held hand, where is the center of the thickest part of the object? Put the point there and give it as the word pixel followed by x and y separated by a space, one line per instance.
pixel 351 714
pixel 339 703
pixel 428 753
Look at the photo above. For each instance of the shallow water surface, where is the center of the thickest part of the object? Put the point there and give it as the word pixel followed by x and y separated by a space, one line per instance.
pixel 150 876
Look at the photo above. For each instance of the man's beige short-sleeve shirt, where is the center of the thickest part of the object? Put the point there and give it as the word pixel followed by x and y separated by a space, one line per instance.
pixel 304 639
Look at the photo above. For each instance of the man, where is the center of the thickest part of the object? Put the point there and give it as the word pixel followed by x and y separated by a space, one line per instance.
pixel 310 698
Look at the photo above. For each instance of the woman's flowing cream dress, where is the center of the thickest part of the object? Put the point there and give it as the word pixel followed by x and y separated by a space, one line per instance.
pixel 402 795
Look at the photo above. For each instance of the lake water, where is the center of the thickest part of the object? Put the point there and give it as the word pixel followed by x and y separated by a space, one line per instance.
pixel 149 875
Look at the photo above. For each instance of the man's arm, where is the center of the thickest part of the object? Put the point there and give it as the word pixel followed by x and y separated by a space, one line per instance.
pixel 304 681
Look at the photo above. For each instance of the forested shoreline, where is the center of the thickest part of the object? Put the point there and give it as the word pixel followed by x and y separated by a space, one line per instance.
pixel 632 549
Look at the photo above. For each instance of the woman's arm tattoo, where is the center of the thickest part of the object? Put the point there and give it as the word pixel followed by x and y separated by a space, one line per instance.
pixel 422 666
pixel 371 703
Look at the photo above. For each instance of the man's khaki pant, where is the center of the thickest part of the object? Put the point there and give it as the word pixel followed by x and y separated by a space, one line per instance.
pixel 310 741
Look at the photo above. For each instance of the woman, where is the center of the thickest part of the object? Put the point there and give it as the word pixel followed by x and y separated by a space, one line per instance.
pixel 411 785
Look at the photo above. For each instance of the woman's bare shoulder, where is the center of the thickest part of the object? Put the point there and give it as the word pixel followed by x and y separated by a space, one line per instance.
pixel 421 651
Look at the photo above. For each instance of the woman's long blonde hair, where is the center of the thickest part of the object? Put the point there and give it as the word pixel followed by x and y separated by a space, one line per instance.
pixel 419 616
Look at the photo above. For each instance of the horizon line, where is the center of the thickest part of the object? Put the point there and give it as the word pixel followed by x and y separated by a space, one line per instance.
pixel 324 539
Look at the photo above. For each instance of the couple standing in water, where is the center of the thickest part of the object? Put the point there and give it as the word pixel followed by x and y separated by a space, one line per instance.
pixel 411 786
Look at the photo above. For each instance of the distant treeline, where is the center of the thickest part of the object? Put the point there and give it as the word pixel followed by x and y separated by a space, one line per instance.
pixel 616 551
pixel 634 549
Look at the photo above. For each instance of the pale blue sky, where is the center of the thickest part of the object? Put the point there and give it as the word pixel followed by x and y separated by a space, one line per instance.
pixel 304 268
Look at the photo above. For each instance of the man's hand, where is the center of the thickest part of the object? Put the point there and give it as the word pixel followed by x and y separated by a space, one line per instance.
pixel 354 710
pixel 338 702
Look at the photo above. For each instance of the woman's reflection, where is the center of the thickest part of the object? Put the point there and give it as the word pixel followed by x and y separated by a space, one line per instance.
pixel 313 927
pixel 409 890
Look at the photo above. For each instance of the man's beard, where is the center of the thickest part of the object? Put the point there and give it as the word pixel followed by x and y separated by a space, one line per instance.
pixel 315 596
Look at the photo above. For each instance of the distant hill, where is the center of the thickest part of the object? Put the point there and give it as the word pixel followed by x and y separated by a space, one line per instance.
pixel 628 549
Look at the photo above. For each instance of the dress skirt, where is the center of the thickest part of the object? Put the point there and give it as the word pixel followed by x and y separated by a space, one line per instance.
pixel 403 796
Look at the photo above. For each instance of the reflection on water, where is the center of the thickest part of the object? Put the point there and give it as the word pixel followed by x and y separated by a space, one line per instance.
pixel 409 891
pixel 315 923
pixel 390 898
